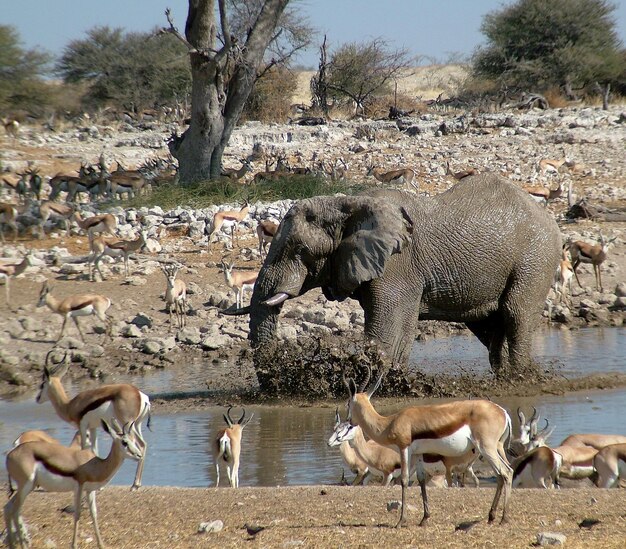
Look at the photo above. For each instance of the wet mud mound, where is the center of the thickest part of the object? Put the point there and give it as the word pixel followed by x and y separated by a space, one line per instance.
pixel 314 369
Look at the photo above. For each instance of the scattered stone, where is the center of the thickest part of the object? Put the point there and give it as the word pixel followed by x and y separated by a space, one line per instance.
pixel 151 347
pixel 210 527
pixel 141 320
pixel 189 336
pixel 550 538
pixel 396 505
pixel 131 330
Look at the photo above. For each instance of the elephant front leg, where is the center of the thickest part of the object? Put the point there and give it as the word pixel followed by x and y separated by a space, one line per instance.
pixel 391 321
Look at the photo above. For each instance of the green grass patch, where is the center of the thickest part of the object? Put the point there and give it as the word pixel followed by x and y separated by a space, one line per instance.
pixel 221 191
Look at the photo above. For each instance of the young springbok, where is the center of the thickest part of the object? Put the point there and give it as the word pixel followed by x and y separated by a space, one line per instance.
pixel 582 252
pixel 563 278
pixel 265 231
pixel 8 216
pixel 121 401
pixel 11 270
pixel 103 223
pixel 75 306
pixel 230 218
pixel 175 295
pixel 56 468
pixel 227 447
pixel 402 176
pixel 450 429
pixel 610 465
pixel 239 281
pixel 103 245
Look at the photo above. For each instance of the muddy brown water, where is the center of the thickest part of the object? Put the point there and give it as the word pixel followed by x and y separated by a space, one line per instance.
pixel 287 445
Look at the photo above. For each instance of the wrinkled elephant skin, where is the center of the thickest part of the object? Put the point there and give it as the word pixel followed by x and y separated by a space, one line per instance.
pixel 483 253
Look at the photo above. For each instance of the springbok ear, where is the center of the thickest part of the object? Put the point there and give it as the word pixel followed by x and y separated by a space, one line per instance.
pixel 374 230
pixel 352 387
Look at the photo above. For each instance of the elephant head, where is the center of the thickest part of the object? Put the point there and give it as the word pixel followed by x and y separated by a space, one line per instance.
pixel 336 243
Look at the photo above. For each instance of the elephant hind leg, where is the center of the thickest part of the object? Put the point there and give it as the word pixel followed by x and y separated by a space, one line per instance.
pixel 490 332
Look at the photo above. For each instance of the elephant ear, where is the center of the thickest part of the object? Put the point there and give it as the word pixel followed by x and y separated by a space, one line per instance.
pixel 374 230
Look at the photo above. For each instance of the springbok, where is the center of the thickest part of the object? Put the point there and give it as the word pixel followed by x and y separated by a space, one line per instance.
pixel 563 278
pixel 103 223
pixel 450 429
pixel 551 165
pixel 462 174
pixel 175 295
pixel 11 127
pixel 122 402
pixel 543 195
pixel 386 461
pixel 593 440
pixel 11 270
pixel 538 468
pixel 401 176
pixel 75 306
pixel 582 252
pixel 8 216
pixel 265 231
pixel 103 245
pixel 56 468
pixel 610 465
pixel 227 447
pixel 229 217
pixel 239 281
pixel 62 211
pixel 234 174
pixel 350 457
pixel 36 435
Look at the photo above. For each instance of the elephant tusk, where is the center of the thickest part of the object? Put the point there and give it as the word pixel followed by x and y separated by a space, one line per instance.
pixel 276 300
pixel 236 312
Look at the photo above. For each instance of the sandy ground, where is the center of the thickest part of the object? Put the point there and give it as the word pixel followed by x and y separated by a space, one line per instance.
pixel 328 516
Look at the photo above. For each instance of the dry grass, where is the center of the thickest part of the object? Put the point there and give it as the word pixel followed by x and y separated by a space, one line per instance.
pixel 328 516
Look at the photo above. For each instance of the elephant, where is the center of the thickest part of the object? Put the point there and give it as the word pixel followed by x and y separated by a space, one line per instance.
pixel 483 253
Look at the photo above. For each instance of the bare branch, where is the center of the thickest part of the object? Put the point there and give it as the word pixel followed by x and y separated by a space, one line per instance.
pixel 173 30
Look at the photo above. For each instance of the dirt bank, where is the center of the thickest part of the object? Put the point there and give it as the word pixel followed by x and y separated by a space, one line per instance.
pixel 328 516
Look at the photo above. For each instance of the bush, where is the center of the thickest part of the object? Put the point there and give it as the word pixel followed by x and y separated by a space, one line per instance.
pixel 270 100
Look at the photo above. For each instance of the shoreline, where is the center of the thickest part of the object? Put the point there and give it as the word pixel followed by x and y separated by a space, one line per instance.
pixel 328 516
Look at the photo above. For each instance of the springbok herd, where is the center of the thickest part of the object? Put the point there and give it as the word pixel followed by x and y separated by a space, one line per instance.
pixel 455 434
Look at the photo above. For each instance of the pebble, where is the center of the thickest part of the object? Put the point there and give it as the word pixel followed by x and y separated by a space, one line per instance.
pixel 209 527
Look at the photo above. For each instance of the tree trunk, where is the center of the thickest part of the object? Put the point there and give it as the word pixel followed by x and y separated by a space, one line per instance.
pixel 222 81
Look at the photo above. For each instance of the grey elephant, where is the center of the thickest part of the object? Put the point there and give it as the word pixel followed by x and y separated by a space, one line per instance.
pixel 482 253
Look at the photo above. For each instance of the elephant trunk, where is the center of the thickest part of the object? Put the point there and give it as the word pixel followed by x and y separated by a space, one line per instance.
pixel 264 315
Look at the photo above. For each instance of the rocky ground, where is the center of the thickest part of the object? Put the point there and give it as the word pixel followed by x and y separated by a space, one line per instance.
pixel 330 516
pixel 510 143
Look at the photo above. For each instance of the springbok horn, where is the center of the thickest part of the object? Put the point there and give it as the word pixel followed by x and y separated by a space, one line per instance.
pixel 367 379
pixel 229 419
pixel 242 416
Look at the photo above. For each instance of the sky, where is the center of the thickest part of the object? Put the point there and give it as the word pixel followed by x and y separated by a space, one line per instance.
pixel 438 30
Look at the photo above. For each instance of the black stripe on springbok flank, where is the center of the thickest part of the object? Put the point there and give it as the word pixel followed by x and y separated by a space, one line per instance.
pixel 93 405
pixel 81 304
pixel 55 470
pixel 93 221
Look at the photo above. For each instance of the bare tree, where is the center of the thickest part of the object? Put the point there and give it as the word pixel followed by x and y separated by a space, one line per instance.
pixel 361 71
pixel 223 73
